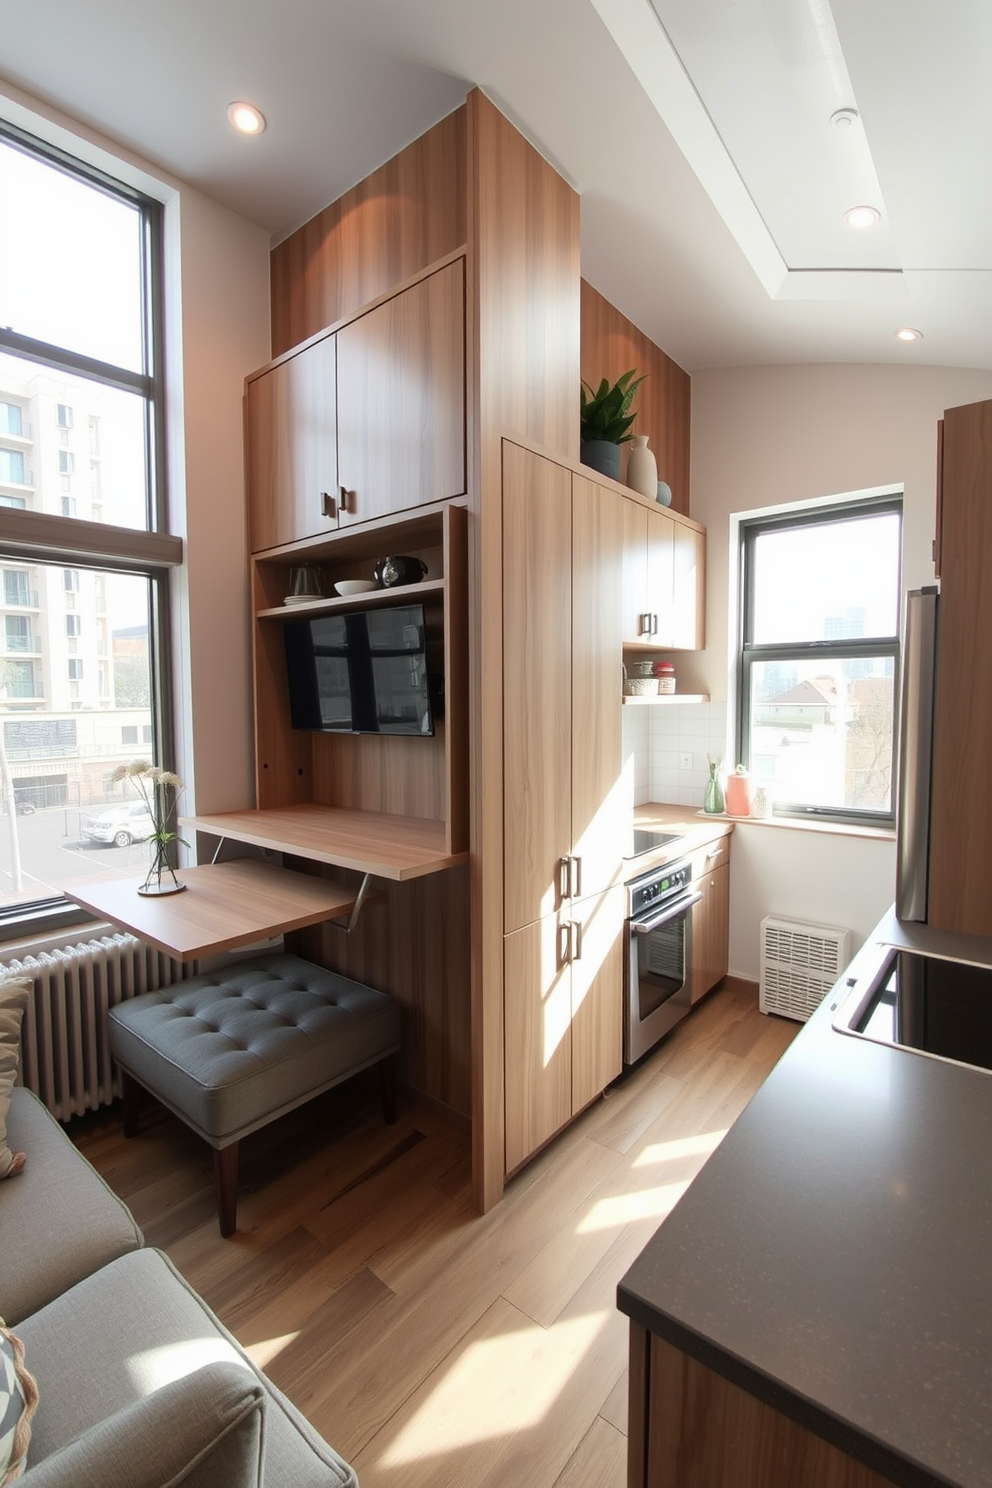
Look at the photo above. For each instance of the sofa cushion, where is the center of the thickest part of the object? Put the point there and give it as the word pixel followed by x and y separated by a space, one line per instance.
pixel 14 994
pixel 152 1329
pixel 200 1431
pixel 18 1399
pixel 58 1220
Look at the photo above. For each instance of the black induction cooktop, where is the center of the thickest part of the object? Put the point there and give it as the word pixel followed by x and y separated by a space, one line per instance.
pixel 645 841
pixel 928 1004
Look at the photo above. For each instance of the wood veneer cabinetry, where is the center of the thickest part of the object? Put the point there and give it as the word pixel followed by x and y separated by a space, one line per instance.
pixel 689 1427
pixel 363 421
pixel 664 579
pixel 960 896
pixel 564 817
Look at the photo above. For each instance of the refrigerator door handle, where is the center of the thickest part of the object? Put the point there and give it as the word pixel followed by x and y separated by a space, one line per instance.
pixel 916 755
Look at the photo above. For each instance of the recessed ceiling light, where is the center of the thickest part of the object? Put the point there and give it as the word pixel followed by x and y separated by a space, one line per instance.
pixel 245 118
pixel 907 333
pixel 843 118
pixel 861 217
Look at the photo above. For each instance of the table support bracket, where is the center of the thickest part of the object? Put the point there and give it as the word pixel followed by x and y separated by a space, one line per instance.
pixel 349 924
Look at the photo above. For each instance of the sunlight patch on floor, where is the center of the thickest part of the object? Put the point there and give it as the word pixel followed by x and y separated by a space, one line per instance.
pixel 698 1146
pixel 265 1350
pixel 645 1203
pixel 496 1387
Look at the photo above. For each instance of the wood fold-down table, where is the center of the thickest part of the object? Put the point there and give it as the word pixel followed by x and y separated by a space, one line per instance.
pixel 225 905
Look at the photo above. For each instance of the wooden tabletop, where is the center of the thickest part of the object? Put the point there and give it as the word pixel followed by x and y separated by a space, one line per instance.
pixel 223 906
pixel 388 846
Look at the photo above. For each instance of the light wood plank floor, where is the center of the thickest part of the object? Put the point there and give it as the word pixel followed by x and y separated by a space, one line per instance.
pixel 428 1344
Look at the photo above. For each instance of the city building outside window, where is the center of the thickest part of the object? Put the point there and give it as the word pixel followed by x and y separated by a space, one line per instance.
pixel 818 660
pixel 80 348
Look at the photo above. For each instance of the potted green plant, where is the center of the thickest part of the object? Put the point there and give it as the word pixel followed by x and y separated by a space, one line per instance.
pixel 605 422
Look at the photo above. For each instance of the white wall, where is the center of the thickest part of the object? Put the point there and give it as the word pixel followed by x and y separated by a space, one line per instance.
pixel 762 436
pixel 217 330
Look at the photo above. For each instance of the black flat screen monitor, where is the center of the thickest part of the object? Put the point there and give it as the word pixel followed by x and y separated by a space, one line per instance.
pixel 363 672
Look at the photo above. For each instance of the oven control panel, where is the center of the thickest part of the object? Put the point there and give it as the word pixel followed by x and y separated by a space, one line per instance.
pixel 654 887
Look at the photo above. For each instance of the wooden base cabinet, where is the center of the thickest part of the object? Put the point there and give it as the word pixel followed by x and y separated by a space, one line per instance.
pixel 710 917
pixel 563 1038
pixel 689 1427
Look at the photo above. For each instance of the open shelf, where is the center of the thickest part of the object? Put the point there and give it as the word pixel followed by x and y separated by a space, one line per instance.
pixel 668 698
pixel 371 599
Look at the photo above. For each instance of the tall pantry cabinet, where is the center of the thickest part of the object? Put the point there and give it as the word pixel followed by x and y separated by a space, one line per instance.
pixel 564 806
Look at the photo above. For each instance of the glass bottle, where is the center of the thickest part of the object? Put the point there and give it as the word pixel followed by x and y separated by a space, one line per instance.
pixel 713 797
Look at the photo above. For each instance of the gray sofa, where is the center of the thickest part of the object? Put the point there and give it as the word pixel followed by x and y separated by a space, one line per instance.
pixel 139 1384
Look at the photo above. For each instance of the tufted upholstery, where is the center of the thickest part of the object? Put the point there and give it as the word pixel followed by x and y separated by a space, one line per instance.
pixel 231 1050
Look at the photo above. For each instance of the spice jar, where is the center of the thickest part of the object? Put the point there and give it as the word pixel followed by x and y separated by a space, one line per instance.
pixel 665 672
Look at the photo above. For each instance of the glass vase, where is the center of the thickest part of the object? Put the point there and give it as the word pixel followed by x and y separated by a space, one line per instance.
pixel 713 803
pixel 161 877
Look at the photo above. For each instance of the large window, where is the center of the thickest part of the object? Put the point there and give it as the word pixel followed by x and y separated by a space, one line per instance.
pixel 80 372
pixel 819 658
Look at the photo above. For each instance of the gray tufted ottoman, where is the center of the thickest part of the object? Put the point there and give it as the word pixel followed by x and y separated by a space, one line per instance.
pixel 230 1051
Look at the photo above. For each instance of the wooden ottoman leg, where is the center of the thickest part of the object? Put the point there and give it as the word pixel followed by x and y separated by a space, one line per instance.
pixel 132 1103
pixel 387 1085
pixel 226 1173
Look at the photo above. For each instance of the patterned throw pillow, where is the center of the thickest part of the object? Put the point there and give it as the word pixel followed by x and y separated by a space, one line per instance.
pixel 18 1398
pixel 14 995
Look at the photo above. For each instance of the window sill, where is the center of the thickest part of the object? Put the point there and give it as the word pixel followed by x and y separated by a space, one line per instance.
pixel 800 824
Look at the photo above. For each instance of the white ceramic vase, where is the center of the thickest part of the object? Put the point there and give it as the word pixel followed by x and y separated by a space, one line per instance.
pixel 642 468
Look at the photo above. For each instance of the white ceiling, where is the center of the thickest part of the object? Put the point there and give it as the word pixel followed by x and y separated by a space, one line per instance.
pixel 697 131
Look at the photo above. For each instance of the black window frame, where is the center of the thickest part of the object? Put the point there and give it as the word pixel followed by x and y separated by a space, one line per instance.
pixel 63 541
pixel 750 652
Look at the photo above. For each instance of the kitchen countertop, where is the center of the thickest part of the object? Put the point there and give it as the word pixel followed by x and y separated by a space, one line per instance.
pixel 692 827
pixel 834 1256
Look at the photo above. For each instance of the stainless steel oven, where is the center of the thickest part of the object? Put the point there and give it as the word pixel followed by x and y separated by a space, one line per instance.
pixel 659 955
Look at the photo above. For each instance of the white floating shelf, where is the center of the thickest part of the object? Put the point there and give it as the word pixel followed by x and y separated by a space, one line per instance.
pixel 652 699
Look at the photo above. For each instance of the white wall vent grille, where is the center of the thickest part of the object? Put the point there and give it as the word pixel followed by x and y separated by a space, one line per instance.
pixel 799 964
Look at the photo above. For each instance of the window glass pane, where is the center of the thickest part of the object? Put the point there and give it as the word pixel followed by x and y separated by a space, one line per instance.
pixel 108 481
pixel 827 582
pixel 821 732
pixel 65 724
pixel 75 278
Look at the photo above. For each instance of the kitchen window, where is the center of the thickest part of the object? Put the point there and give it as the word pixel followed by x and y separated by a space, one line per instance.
pixel 819 659
pixel 80 348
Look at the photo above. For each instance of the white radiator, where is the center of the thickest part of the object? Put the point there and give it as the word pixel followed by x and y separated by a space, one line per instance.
pixel 65 1053
pixel 799 965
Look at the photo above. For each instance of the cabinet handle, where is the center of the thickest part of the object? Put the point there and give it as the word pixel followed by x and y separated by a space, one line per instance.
pixel 328 506
pixel 343 499
pixel 564 942
pixel 574 878
pixel 564 878
pixel 645 624
pixel 654 624
pixel 714 854
pixel 576 926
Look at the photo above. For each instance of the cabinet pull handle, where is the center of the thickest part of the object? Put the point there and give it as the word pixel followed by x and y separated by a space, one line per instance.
pixel 564 942
pixel 575 878
pixel 343 499
pixel 654 624
pixel 714 853
pixel 576 940
pixel 328 506
pixel 645 624
pixel 564 878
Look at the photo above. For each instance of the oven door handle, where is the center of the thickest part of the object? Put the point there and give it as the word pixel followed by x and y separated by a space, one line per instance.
pixel 670 912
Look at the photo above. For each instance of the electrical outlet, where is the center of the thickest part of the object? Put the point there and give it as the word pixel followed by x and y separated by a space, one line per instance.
pixel 685 761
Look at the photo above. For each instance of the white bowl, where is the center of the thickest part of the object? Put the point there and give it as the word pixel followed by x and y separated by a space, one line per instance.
pixel 345 587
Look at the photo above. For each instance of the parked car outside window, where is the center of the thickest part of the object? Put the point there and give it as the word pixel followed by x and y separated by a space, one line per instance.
pixel 120 825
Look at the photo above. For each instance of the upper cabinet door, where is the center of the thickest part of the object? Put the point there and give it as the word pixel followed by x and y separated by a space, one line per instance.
pixel 401 400
pixel 689 589
pixel 636 622
pixel 292 448
pixel 661 584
